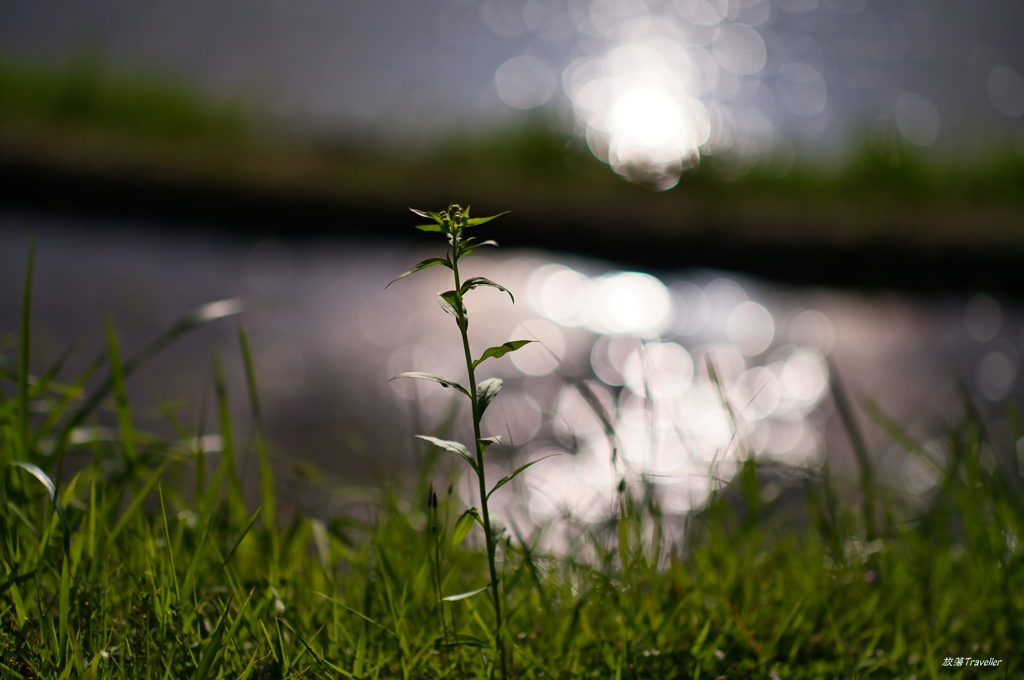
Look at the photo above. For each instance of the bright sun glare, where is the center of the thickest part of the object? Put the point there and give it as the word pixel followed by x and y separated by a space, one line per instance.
pixel 649 130
pixel 656 84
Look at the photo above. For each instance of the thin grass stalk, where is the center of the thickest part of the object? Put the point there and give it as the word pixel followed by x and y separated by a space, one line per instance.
pixel 435 539
pixel 860 450
pixel 23 360
pixel 198 317
pixel 228 466
pixel 266 474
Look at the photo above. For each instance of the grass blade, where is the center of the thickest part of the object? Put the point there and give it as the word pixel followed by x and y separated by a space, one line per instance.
pixel 45 480
pixel 463 596
pixel 241 538
pixel 170 547
pixel 124 415
pixel 188 587
pixel 860 450
pixel 23 359
pixel 65 587
pixel 214 647
pixel 137 502
pixel 266 474
pixel 364 617
pixel 228 466
pixel 198 317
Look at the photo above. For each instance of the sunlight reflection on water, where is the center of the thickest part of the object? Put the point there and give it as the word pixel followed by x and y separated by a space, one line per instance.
pixel 643 350
pixel 638 344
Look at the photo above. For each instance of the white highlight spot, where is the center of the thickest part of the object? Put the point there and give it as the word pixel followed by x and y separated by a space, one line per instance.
pixel 525 82
pixel 608 357
pixel 630 302
pixel 751 328
pixel 658 371
pixel 805 377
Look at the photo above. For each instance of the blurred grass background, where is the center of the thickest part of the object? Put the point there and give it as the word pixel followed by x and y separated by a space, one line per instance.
pixel 83 120
pixel 84 94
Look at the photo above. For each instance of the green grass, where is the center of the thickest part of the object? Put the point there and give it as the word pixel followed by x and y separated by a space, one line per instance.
pixel 148 563
pixel 897 171
pixel 86 94
pixel 900 172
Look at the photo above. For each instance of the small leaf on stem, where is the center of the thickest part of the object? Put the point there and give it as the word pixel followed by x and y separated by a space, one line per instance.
pixel 454 447
pixel 444 382
pixel 464 525
pixel 428 214
pixel 449 301
pixel 486 391
pixel 481 220
pixel 485 442
pixel 447 307
pixel 425 264
pixel 478 281
pixel 501 350
pixel 508 478
pixel 469 249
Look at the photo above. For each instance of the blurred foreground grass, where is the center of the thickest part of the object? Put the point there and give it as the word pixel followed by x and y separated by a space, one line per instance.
pixel 145 561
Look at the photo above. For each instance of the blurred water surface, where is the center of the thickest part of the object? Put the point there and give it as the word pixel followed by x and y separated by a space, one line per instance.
pixel 327 337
